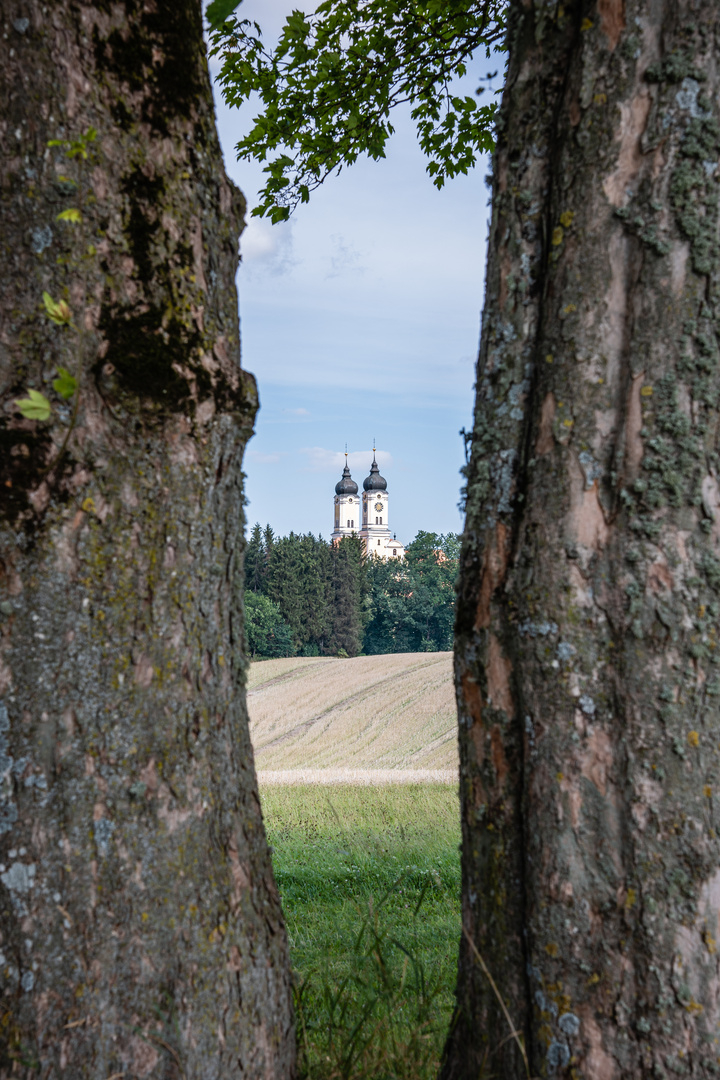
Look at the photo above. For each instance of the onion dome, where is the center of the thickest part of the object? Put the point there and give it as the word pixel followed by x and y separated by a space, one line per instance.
pixel 374 482
pixel 347 485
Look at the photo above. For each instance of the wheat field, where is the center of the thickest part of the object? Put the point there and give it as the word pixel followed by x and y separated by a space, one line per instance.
pixel 366 720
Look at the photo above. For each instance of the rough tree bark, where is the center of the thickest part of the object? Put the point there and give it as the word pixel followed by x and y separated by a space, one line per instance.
pixel 587 659
pixel 141 932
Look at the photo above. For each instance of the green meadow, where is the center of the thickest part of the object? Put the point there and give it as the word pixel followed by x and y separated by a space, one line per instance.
pixel 370 884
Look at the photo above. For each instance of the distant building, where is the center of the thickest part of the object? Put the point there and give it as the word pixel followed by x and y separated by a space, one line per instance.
pixel 375 530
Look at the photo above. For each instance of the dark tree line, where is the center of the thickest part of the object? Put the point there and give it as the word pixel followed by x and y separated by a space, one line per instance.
pixel 309 597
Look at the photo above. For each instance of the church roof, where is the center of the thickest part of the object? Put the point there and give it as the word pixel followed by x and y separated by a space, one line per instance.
pixel 374 482
pixel 346 486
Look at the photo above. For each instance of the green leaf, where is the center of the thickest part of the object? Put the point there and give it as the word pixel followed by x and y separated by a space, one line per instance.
pixel 66 384
pixel 71 214
pixel 35 406
pixel 220 11
pixel 57 310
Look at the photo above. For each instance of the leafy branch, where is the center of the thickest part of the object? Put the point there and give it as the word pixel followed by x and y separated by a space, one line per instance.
pixel 329 86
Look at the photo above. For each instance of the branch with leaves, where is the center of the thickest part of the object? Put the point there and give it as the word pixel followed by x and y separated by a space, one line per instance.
pixel 328 88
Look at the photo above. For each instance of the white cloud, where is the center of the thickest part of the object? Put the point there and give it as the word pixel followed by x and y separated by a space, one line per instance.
pixel 297 412
pixel 321 460
pixel 267 248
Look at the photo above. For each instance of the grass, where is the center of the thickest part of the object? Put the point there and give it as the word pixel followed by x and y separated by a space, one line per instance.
pixel 370 883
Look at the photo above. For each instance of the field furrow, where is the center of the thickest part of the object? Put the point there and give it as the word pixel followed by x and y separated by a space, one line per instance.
pixel 394 712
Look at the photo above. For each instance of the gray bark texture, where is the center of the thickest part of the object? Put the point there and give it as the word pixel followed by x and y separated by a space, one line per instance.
pixel 587 663
pixel 140 926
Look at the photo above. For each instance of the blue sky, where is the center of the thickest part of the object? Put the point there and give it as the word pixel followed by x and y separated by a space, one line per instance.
pixel 360 319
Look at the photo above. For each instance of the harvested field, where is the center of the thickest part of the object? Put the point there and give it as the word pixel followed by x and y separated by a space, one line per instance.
pixel 370 719
pixel 357 777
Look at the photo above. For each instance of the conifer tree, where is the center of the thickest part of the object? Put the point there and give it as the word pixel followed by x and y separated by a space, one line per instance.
pixel 269 537
pixel 255 560
pixel 348 587
pixel 297 581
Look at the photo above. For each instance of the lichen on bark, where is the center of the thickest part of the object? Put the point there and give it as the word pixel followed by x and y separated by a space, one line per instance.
pixel 586 656
pixel 140 926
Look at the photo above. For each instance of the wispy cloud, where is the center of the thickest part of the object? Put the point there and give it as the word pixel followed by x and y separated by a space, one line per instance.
pixel 297 412
pixel 345 259
pixel 266 459
pixel 327 461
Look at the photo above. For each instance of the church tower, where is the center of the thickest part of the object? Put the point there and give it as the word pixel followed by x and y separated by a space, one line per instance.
pixel 347 507
pixel 375 532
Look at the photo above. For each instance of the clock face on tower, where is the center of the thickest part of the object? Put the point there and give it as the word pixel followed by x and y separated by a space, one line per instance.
pixel 378 506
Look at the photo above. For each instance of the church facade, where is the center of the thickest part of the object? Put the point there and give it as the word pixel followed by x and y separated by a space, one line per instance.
pixel 366 516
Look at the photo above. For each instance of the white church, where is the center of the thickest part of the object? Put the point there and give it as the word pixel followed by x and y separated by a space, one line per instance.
pixel 374 531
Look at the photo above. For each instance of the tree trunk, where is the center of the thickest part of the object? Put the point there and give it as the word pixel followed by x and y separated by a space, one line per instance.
pixel 141 932
pixel 586 658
